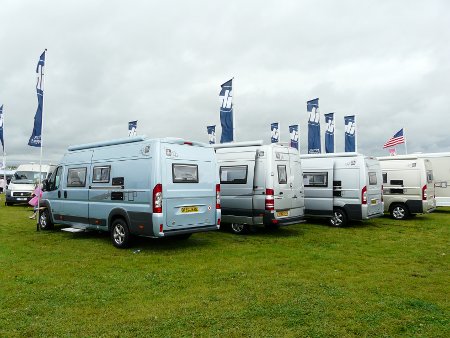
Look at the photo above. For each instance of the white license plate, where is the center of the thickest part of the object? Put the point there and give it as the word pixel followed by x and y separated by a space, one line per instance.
pixel 21 199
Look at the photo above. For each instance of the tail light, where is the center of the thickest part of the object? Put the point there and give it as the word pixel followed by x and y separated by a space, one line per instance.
pixel 269 202
pixel 364 195
pixel 217 196
pixel 424 193
pixel 157 198
pixel 382 192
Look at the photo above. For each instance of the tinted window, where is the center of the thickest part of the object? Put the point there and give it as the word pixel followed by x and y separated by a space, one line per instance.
pixel 384 177
pixel 282 175
pixel 76 177
pixel 233 175
pixel 315 179
pixel 185 173
pixel 372 178
pixel 101 174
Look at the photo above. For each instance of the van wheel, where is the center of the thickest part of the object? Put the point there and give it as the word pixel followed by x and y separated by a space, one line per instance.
pixel 120 235
pixel 45 223
pixel 339 218
pixel 399 211
pixel 239 229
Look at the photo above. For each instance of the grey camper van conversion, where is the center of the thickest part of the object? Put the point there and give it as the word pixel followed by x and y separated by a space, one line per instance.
pixel 342 186
pixel 259 185
pixel 441 174
pixel 135 186
pixel 408 185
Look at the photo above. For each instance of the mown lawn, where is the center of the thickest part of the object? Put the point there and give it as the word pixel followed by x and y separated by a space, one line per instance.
pixel 379 278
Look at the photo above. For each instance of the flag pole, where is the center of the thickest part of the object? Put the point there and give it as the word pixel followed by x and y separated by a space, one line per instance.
pixel 356 136
pixel 4 155
pixel 234 121
pixel 42 146
pixel 404 137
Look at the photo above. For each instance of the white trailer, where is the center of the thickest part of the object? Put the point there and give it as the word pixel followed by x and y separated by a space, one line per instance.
pixel 342 187
pixel 441 173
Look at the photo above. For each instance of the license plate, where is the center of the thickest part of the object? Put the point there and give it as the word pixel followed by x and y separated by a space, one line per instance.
pixel 282 213
pixel 374 201
pixel 187 210
pixel 21 199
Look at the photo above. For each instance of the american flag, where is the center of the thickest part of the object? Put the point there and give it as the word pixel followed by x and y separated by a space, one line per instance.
pixel 398 138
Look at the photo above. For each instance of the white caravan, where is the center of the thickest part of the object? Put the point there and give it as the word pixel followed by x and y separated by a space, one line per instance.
pixel 260 185
pixel 24 181
pixel 408 185
pixel 441 173
pixel 342 186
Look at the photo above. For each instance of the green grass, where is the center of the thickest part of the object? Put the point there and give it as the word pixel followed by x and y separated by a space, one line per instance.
pixel 380 278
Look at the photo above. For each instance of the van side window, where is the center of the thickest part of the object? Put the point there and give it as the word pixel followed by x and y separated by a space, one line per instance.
pixel 76 177
pixel 384 178
pixel 315 179
pixel 233 175
pixel 394 183
pixel 55 179
pixel 372 178
pixel 101 174
pixel 429 176
pixel 184 173
pixel 282 174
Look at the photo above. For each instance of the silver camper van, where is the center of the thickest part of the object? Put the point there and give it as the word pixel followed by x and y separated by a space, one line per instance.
pixel 260 185
pixel 135 186
pixel 441 173
pixel 342 187
pixel 408 185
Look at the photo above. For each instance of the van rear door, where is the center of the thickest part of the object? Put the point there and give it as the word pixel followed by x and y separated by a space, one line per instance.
pixel 374 181
pixel 189 185
pixel 318 183
pixel 282 182
pixel 296 184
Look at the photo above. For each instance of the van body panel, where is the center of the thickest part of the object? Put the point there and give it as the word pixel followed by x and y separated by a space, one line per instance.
pixel 441 173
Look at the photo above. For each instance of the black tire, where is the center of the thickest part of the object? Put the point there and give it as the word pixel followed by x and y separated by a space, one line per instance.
pixel 239 229
pixel 339 218
pixel 8 204
pixel 120 235
pixel 399 211
pixel 45 221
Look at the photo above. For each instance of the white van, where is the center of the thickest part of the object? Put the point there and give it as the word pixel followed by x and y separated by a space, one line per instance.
pixel 24 181
pixel 260 185
pixel 408 185
pixel 441 173
pixel 342 187
pixel 135 186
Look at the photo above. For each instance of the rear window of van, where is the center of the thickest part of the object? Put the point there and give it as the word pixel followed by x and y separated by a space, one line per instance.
pixel 233 174
pixel 185 173
pixel 372 178
pixel 315 179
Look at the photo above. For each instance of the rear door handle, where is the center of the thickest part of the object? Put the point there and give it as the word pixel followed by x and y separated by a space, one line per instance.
pixel 65 194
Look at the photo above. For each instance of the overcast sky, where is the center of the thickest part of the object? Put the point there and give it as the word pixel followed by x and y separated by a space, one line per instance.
pixel 162 63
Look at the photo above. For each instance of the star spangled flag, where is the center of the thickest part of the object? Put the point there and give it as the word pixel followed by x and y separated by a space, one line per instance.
pixel 211 134
pixel 132 126
pixel 274 133
pixel 312 107
pixel 35 139
pixel 293 133
pixel 329 133
pixel 1 128
pixel 226 111
pixel 398 138
pixel 350 133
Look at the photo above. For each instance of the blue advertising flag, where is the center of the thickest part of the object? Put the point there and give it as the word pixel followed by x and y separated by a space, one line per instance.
pixel 211 134
pixel 293 132
pixel 1 128
pixel 312 107
pixel 274 133
pixel 350 133
pixel 35 139
pixel 132 127
pixel 329 133
pixel 226 112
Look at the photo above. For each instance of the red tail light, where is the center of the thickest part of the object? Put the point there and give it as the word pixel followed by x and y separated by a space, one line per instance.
pixel 269 202
pixel 217 196
pixel 188 143
pixel 364 195
pixel 157 198
pixel 424 193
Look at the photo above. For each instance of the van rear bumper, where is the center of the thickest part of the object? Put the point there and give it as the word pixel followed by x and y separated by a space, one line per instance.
pixel 192 230
pixel 270 220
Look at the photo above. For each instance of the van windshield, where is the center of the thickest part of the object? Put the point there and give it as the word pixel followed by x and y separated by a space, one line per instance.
pixel 27 177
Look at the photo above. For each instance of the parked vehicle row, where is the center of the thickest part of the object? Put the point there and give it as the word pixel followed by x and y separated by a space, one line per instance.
pixel 172 187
